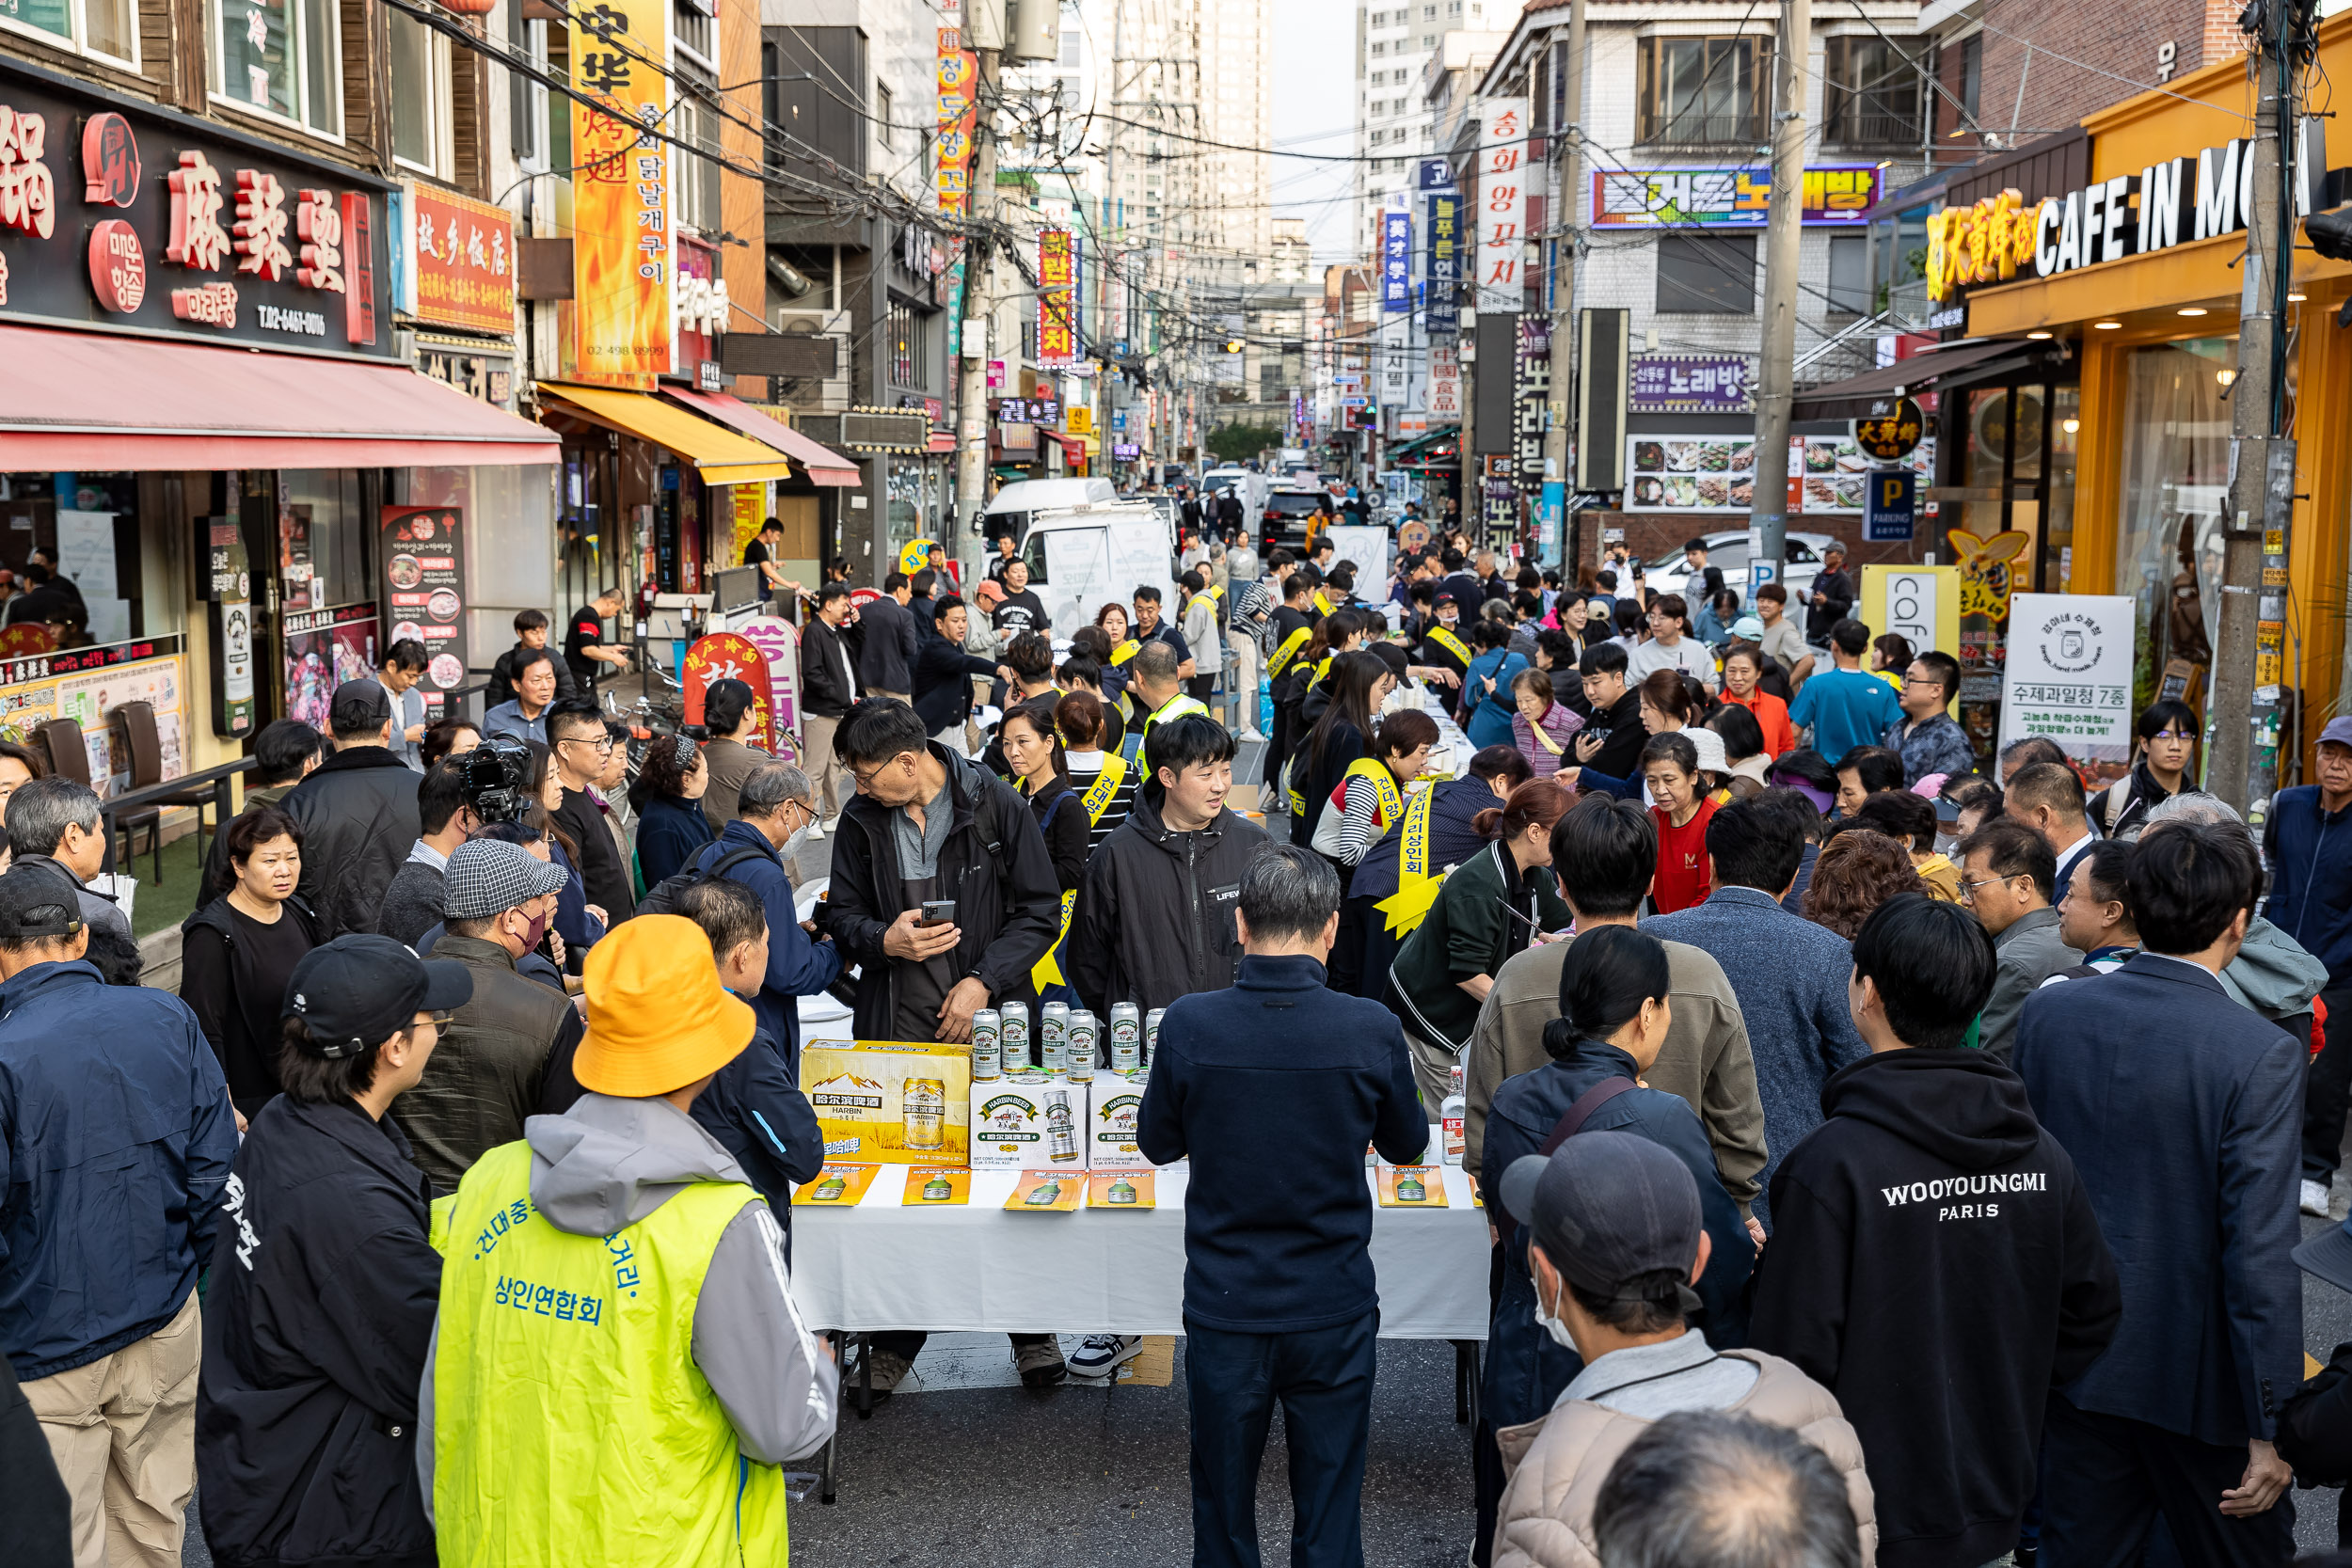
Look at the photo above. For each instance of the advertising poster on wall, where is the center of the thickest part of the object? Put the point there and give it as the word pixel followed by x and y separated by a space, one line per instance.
pixel 1827 474
pixel 2069 676
pixel 88 699
pixel 324 648
pixel 422 548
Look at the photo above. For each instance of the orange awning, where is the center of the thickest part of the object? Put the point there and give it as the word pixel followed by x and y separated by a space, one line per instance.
pixel 100 400
pixel 824 465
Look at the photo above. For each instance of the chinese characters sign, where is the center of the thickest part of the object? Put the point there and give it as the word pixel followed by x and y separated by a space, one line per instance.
pixel 1727 198
pixel 623 268
pixel 424 578
pixel 461 254
pixel 1396 261
pixel 1444 268
pixel 1502 180
pixel 1690 383
pixel 959 115
pixel 1056 297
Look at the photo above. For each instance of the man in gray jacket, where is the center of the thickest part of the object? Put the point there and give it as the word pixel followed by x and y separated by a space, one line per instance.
pixel 2006 874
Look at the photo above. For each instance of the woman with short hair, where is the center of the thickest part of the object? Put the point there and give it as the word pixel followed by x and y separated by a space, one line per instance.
pixel 237 952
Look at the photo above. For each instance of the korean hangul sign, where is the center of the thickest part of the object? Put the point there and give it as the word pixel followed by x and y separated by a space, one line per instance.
pixel 622 266
pixel 1690 383
pixel 2069 674
pixel 460 256
pixel 1396 263
pixel 959 116
pixel 1444 266
pixel 1834 194
pixel 1056 297
pixel 1503 181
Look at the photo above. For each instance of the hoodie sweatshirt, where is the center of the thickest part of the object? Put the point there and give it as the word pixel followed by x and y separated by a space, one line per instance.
pixel 607 1163
pixel 1936 1264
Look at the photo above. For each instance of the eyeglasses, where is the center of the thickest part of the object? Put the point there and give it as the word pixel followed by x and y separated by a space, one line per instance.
pixel 603 743
pixel 868 776
pixel 1968 890
pixel 441 1020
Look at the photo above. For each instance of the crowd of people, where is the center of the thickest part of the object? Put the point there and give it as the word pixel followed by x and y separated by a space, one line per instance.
pixel 1886 1158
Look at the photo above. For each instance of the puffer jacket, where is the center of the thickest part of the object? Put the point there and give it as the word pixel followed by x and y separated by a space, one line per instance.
pixel 358 816
pixel 1154 916
pixel 1556 1465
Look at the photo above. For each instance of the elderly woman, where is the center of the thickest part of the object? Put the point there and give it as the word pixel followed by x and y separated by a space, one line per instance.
pixel 1543 728
pixel 671 827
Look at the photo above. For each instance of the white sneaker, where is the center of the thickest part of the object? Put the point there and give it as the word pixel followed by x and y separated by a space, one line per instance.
pixel 1102 1354
pixel 1250 734
pixel 2314 1201
pixel 816 830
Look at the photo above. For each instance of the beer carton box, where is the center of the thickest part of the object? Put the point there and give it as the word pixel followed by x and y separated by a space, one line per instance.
pixel 1028 1119
pixel 1113 1103
pixel 896 1103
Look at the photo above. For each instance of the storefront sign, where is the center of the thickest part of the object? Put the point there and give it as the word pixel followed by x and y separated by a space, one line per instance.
pixel 231 594
pixel 457 260
pixel 1502 203
pixel 1531 387
pixel 1691 384
pixel 1396 263
pixel 959 115
pixel 1435 174
pixel 699 308
pixel 2069 674
pixel 780 640
pixel 1443 267
pixel 1892 435
pixel 162 227
pixel 1889 505
pixel 1056 297
pixel 422 548
pixel 487 377
pixel 1919 604
pixel 1835 195
pixel 1029 410
pixel 1445 382
pixel 1126 451
pixel 623 269
pixel 321 649
pixel 728 655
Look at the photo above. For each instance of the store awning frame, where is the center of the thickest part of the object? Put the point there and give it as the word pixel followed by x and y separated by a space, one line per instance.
pixel 106 402
pixel 721 455
pixel 821 463
pixel 1968 361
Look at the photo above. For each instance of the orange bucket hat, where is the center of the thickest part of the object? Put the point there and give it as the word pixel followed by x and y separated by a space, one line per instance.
pixel 657 1018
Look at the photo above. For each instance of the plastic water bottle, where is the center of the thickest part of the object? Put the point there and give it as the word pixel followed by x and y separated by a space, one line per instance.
pixel 1454 1112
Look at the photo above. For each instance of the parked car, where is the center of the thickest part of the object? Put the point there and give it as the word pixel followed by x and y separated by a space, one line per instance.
pixel 1727 549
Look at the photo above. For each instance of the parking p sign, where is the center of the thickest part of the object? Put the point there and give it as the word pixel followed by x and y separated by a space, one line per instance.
pixel 1890 498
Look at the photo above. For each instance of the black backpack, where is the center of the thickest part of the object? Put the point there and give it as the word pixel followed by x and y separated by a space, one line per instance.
pixel 661 898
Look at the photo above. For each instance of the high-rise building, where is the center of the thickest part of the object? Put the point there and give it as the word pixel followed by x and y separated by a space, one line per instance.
pixel 1394 39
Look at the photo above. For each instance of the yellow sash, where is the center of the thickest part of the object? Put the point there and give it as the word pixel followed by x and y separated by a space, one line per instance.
pixel 1450 643
pixel 1098 797
pixel 1322 669
pixel 1416 888
pixel 1321 603
pixel 1213 592
pixel 1544 739
pixel 1288 651
pixel 1391 800
pixel 1125 651
pixel 1047 970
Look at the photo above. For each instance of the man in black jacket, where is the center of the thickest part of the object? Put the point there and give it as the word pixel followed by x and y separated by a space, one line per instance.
pixel 581 748
pixel 828 686
pixel 530 636
pixel 1831 598
pixel 885 661
pixel 1612 742
pixel 1154 916
pixel 926 824
pixel 325 1287
pixel 358 814
pixel 1935 1262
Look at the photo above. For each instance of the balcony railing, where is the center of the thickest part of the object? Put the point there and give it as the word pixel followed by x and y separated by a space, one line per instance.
pixel 1704 130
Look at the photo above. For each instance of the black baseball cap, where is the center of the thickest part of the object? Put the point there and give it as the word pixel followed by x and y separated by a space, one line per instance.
pixel 359 705
pixel 360 989
pixel 38 905
pixel 1607 1206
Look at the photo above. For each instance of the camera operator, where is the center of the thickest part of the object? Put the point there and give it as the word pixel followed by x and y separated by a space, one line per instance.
pixel 413 903
pixel 358 811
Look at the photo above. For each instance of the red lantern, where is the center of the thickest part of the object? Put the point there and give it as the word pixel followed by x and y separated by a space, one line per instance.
pixel 468 7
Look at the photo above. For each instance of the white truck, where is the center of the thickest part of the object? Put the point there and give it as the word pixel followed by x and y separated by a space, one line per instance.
pixel 1084 557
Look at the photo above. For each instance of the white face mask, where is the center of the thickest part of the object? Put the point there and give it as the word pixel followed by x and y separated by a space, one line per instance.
pixel 791 846
pixel 1551 1325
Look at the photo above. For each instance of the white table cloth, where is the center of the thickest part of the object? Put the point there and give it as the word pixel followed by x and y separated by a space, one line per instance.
pixel 975 1267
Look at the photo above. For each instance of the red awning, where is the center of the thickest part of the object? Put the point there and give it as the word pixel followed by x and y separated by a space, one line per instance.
pixel 824 465
pixel 943 440
pixel 1073 449
pixel 96 401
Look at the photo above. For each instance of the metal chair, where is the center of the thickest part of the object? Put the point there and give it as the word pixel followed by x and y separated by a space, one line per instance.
pixel 136 722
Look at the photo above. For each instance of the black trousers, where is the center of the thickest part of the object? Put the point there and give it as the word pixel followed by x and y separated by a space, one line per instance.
pixel 2107 1479
pixel 907 1343
pixel 1200 688
pixel 2327 1089
pixel 1322 1377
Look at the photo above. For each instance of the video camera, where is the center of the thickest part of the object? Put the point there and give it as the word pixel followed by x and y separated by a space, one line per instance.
pixel 492 777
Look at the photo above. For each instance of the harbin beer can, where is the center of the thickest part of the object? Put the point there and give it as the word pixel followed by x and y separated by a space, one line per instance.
pixel 987 1045
pixel 1152 1035
pixel 1061 1127
pixel 1016 1036
pixel 1053 1035
pixel 924 1112
pixel 1085 1034
pixel 1126 1032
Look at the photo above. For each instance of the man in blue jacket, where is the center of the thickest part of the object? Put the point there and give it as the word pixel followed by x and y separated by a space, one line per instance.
pixel 116 1136
pixel 777 807
pixel 2182 1111
pixel 1280 1301
pixel 2307 842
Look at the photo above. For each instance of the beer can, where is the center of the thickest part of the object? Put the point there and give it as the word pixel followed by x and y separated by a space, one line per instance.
pixel 1126 1056
pixel 1053 1036
pixel 1016 1036
pixel 923 1112
pixel 1081 1065
pixel 1126 1032
pixel 1061 1127
pixel 987 1045
pixel 1084 1036
pixel 1151 1033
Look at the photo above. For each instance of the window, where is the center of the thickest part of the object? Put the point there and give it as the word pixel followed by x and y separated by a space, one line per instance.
pixel 1379 49
pixel 695 179
pixel 421 97
pixel 902 341
pixel 882 119
pixel 1707 275
pixel 1453 7
pixel 1971 74
pixel 1849 275
pixel 108 28
pixel 1871 93
pixel 1427 12
pixel 527 101
pixel 1699 91
pixel 280 58
pixel 697 32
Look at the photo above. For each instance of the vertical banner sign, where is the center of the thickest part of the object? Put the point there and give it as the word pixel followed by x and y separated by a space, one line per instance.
pixel 780 641
pixel 959 117
pixel 728 655
pixel 1444 268
pixel 232 628
pixel 1445 382
pixel 1918 603
pixel 1531 389
pixel 1396 263
pixel 1502 203
pixel 621 216
pixel 1056 297
pixel 422 550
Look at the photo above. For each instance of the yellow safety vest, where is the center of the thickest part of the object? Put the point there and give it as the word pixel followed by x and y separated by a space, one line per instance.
pixel 1288 650
pixel 1416 888
pixel 1451 644
pixel 1175 707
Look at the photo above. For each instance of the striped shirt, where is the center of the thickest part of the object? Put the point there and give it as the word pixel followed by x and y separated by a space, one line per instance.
pixel 1084 768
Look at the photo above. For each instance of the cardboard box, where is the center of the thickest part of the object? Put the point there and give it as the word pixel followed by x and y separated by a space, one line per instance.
pixel 1012 1122
pixel 1113 1102
pixel 859 1095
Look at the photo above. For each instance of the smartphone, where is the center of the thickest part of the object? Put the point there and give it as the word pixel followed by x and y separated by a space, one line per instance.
pixel 937 912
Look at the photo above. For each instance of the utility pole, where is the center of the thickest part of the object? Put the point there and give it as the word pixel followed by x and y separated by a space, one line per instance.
pixel 2249 663
pixel 980 284
pixel 1559 483
pixel 1768 523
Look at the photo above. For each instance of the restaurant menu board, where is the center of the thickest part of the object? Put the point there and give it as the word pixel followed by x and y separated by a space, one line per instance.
pixel 425 571
pixel 88 697
pixel 1716 474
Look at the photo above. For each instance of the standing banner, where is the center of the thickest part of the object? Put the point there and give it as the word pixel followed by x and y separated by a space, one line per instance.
pixel 232 618
pixel 959 116
pixel 780 641
pixel 2069 676
pixel 1502 203
pixel 621 209
pixel 1056 297
pixel 729 655
pixel 1918 603
pixel 422 548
